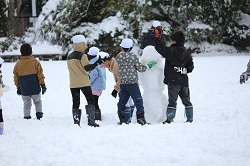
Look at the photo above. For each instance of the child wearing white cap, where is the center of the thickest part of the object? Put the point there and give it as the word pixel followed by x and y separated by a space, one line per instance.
pixel 97 78
pixel 149 37
pixel 129 65
pixel 79 66
pixel 3 88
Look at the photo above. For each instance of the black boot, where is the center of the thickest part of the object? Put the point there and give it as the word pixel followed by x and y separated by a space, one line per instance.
pixel 77 116
pixel 141 119
pixel 98 115
pixel 121 118
pixel 90 109
pixel 27 117
pixel 39 115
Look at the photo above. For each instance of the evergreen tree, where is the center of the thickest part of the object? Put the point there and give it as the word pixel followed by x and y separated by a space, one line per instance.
pixel 3 18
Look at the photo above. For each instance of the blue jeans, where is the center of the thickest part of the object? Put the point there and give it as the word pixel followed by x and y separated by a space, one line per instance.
pixel 127 90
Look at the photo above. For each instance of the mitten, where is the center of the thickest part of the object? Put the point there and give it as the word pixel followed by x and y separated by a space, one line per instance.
pixel 18 91
pixel 151 64
pixel 99 61
pixel 43 88
pixel 158 31
pixel 114 93
pixel 243 77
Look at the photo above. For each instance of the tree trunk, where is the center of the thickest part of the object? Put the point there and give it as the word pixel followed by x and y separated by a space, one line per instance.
pixel 13 19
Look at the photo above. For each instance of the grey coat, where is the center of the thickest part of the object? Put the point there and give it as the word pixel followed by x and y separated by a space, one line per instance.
pixel 128 66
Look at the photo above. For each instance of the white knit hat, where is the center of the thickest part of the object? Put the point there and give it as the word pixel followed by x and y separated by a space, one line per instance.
pixel 79 39
pixel 1 60
pixel 156 24
pixel 93 51
pixel 126 43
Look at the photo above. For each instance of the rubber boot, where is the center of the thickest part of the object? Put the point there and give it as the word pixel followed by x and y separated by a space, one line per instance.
pixel 98 115
pixel 141 119
pixel 77 116
pixel 1 122
pixel 132 110
pixel 39 115
pixel 121 118
pixel 1 127
pixel 189 114
pixel 127 115
pixel 170 116
pixel 27 117
pixel 90 109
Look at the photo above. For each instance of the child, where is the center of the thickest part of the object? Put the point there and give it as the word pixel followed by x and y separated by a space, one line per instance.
pixel 97 78
pixel 78 66
pixel 149 37
pixel 113 67
pixel 128 66
pixel 29 79
pixel 3 88
pixel 244 76
pixel 177 64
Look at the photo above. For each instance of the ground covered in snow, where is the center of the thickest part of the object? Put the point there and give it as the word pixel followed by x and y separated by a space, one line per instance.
pixel 219 135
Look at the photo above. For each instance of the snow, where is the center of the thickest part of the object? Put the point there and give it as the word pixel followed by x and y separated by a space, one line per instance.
pixel 198 25
pixel 38 48
pixel 219 135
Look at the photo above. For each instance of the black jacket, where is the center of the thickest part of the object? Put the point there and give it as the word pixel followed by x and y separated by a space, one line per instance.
pixel 177 64
pixel 149 39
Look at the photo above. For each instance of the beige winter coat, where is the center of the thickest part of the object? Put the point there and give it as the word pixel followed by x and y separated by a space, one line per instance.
pixel 76 62
pixel 114 68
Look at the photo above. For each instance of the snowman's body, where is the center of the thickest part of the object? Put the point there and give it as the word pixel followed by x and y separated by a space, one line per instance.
pixel 154 100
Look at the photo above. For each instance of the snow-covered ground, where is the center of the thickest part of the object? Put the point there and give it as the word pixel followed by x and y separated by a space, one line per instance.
pixel 219 135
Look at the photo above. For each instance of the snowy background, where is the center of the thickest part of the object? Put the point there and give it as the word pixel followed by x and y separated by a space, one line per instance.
pixel 219 135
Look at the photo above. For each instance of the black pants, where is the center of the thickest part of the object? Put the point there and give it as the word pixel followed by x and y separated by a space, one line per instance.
pixel 75 92
pixel 1 116
pixel 177 90
pixel 96 98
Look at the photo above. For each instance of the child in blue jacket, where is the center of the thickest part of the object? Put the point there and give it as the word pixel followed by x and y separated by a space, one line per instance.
pixel 97 78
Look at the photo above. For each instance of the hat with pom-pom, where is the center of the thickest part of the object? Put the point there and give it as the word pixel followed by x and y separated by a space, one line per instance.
pixel 126 43
pixel 79 39
pixel 156 24
pixel 93 51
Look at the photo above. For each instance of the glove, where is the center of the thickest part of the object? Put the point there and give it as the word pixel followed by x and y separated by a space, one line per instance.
pixel 114 93
pixel 99 61
pixel 43 88
pixel 18 91
pixel 158 31
pixel 151 64
pixel 243 77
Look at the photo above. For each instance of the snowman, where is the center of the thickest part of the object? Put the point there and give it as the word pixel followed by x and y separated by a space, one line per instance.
pixel 154 100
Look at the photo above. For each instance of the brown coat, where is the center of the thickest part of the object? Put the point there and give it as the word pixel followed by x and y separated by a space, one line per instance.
pixel 77 74
pixel 28 75
pixel 114 68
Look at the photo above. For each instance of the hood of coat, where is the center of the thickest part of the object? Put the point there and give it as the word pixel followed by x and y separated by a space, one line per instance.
pixel 81 47
pixel 179 51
